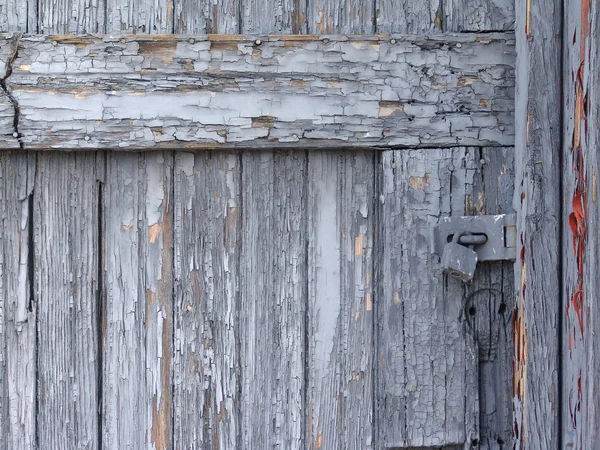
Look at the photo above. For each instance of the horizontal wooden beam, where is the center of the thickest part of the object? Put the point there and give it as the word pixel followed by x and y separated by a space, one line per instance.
pixel 141 92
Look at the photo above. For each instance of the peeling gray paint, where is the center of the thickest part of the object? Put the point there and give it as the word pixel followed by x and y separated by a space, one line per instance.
pixel 153 92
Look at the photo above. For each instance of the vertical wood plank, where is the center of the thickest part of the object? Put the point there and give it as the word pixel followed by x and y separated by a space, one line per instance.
pixel 70 17
pixel 273 17
pixel 580 399
pixel 490 301
pixel 17 309
pixel 137 333
pixel 340 314
pixel 207 246
pixel 409 17
pixel 273 299
pixel 426 359
pixel 537 202
pixel 212 16
pixel 340 16
pixel 140 16
pixel 66 292
pixel 18 16
pixel 479 15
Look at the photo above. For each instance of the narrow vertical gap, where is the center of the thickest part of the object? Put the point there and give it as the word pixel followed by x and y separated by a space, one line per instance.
pixel 240 26
pixel 375 264
pixel 307 225
pixel 32 160
pixel 173 203
pixel 101 309
pixel 173 14
pixel 375 4
pixel 238 304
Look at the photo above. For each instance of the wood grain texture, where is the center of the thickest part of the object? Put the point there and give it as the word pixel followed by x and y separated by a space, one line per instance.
pixel 139 16
pixel 209 17
pixel 339 399
pixel 340 17
pixel 137 328
pixel 71 17
pixel 409 17
pixel 427 393
pixel 141 92
pixel 273 283
pixel 273 17
pixel 490 302
pixel 537 201
pixel 18 16
pixel 66 292
pixel 207 250
pixel 479 15
pixel 580 397
pixel 18 311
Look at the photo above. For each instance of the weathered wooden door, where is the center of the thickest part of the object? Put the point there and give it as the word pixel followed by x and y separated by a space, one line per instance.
pixel 250 298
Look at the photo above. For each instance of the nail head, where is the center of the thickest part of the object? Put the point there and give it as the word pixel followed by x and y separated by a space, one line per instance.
pixel 257 42
pixel 86 138
pixel 191 40
pixel 123 41
pixel 54 43
pixel 325 41
pixel 15 134
pixel 393 41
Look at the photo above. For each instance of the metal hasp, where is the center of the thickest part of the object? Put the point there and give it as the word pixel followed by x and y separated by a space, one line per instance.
pixel 493 238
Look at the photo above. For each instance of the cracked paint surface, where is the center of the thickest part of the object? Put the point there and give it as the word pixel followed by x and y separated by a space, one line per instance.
pixel 139 92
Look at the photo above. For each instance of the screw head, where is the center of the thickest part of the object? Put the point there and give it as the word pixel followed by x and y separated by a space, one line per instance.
pixel 191 40
pixel 257 42
pixel 502 128
pixel 86 138
pixel 458 45
pixel 222 132
pixel 295 136
pixel 55 43
pixel 482 161
pixel 393 165
pixel 450 167
pixel 325 41
pixel 393 41
pixel 123 41
pixel 15 134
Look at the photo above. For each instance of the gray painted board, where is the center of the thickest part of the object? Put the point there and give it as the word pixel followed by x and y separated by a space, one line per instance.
pixel 427 393
pixel 273 283
pixel 339 399
pixel 206 371
pixel 273 17
pixel 71 17
pixel 479 15
pixel 18 310
pixel 139 16
pixel 340 17
pixel 66 292
pixel 409 17
pixel 137 311
pixel 537 201
pixel 302 92
pixel 210 17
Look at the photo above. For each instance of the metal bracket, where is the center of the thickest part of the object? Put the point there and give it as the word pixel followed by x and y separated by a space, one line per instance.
pixel 494 237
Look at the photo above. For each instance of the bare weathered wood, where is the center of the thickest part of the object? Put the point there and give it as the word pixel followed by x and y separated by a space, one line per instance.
pixel 210 17
pixel 137 322
pixel 17 309
pixel 490 301
pixel 339 400
pixel 8 49
pixel 273 283
pixel 426 356
pixel 340 16
pixel 18 16
pixel 409 17
pixel 139 16
pixel 71 17
pixel 66 293
pixel 143 92
pixel 206 342
pixel 537 201
pixel 479 15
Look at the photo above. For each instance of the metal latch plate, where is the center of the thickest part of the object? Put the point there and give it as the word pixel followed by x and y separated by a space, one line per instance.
pixel 501 232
